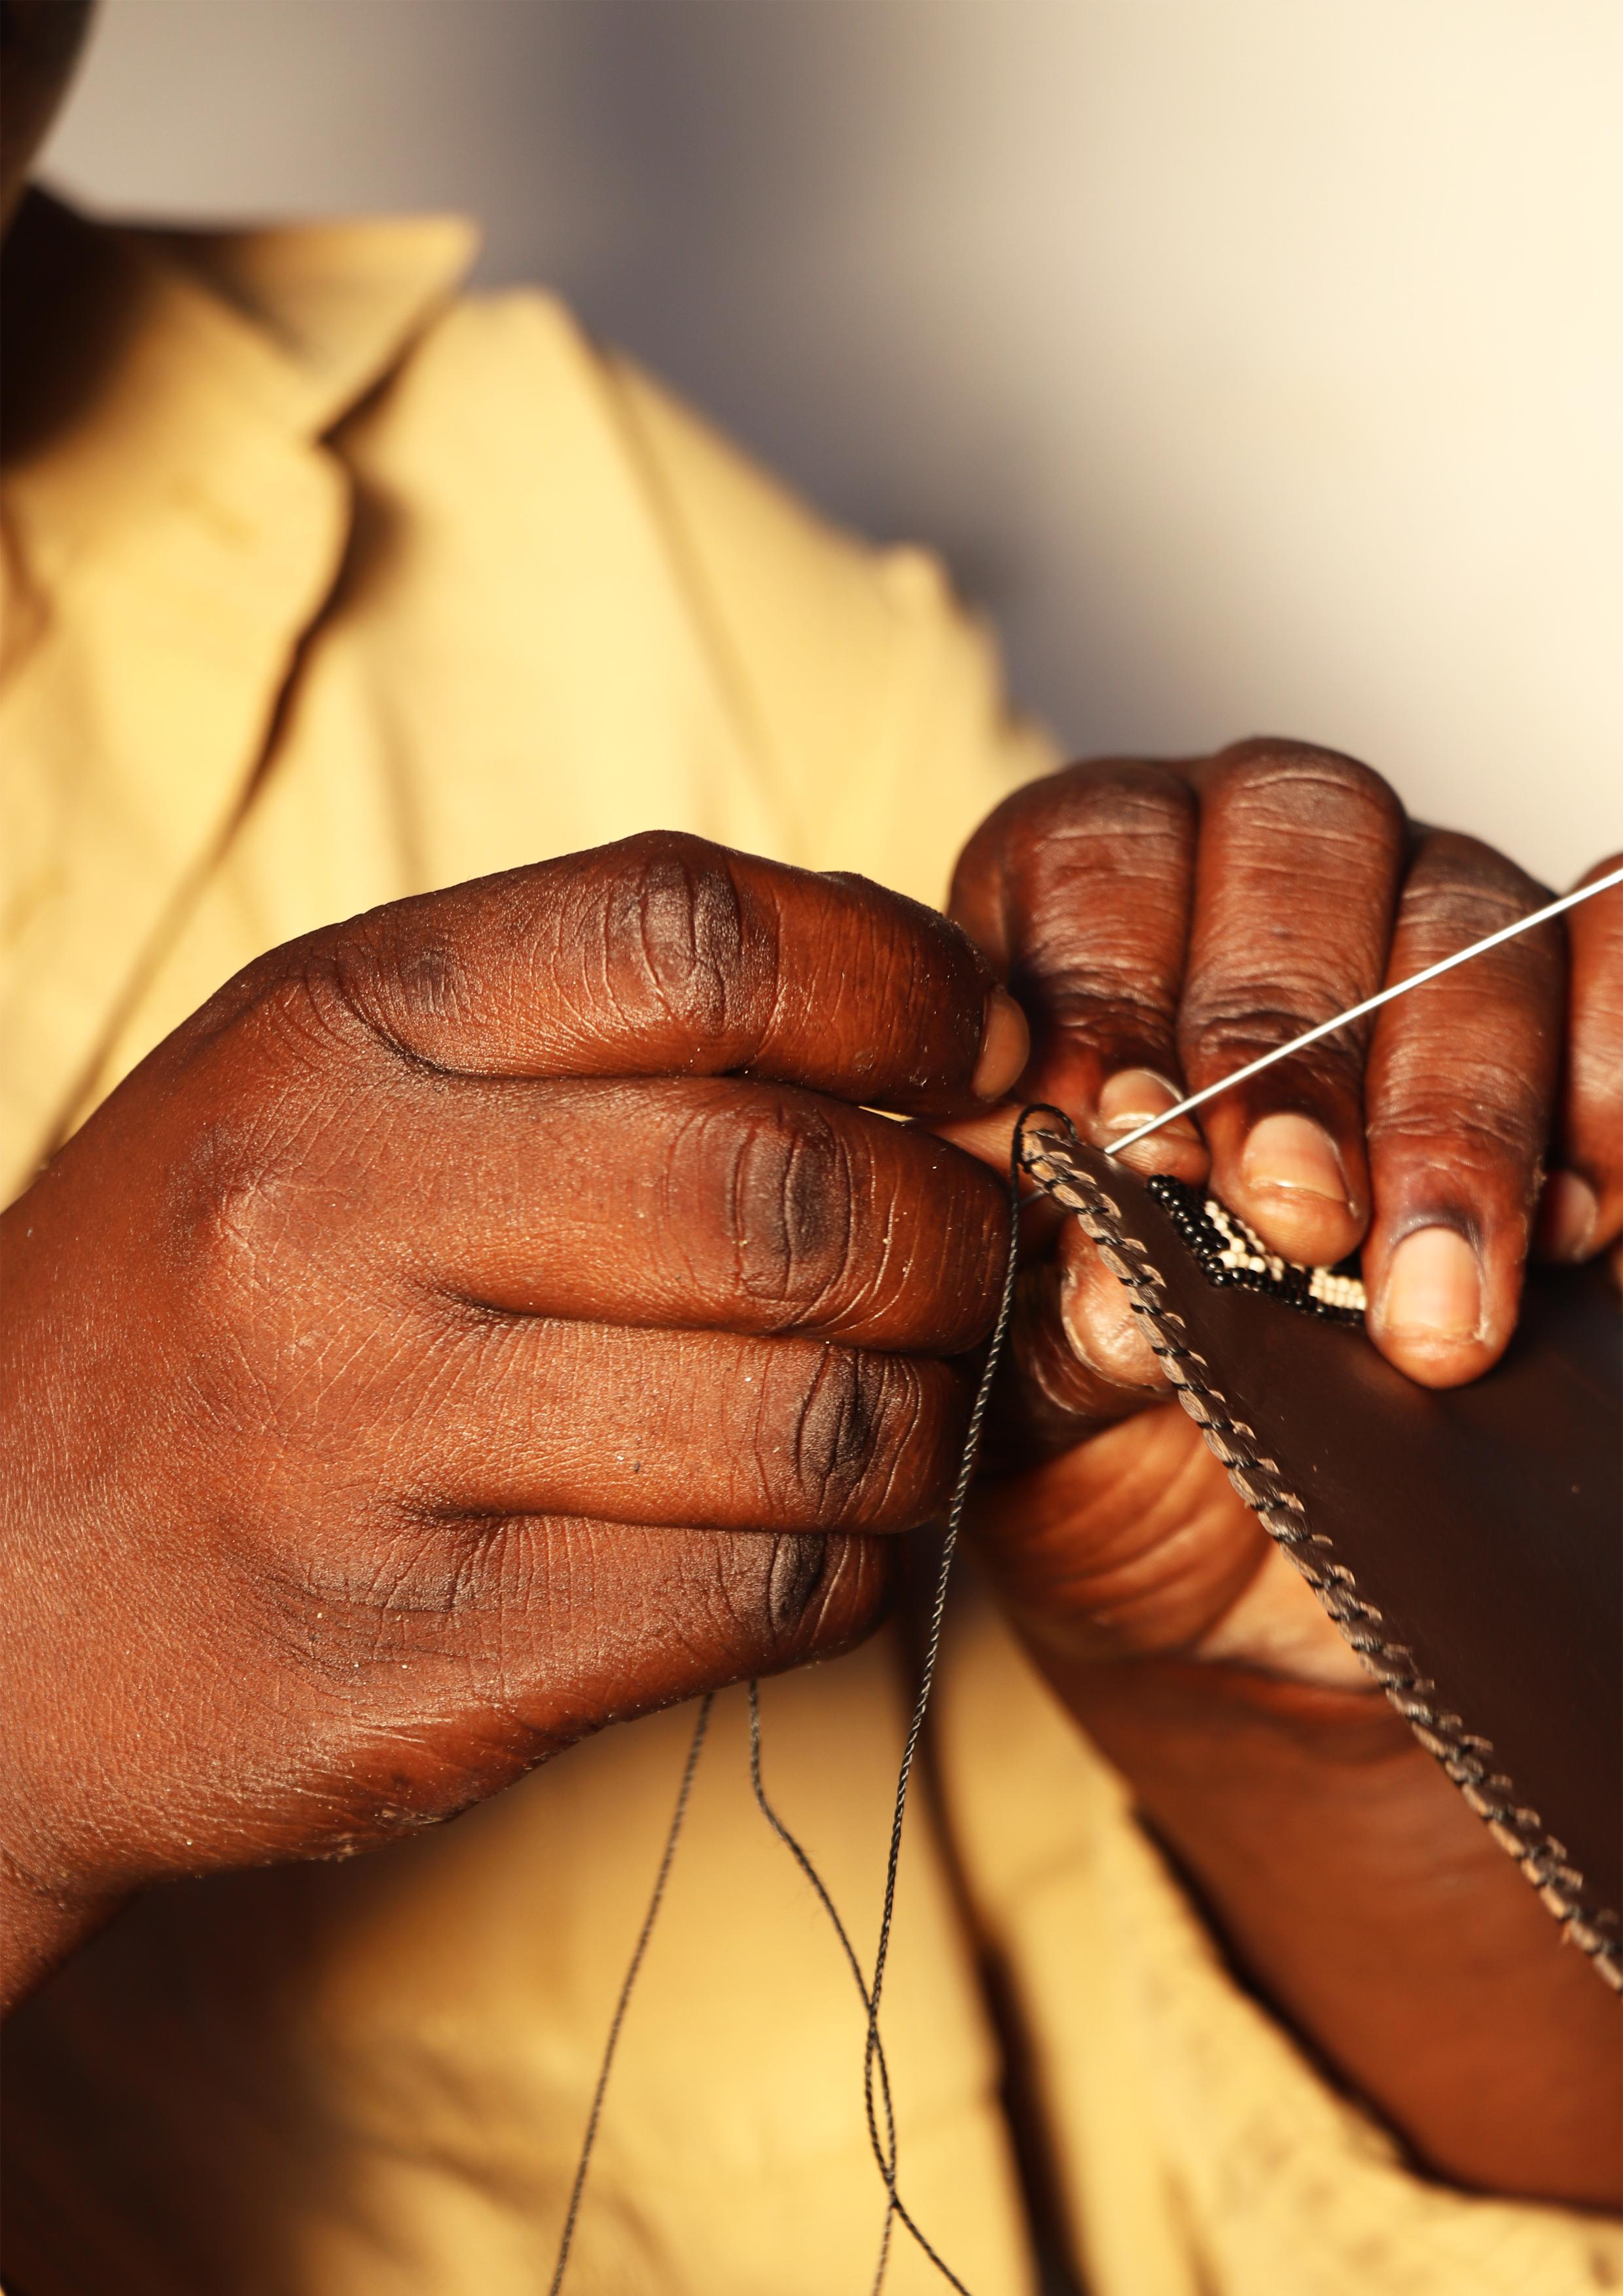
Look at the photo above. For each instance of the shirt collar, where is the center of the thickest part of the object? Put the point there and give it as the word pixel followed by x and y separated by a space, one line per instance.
pixel 174 526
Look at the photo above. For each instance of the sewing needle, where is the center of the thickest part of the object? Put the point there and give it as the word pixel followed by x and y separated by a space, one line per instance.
pixel 1370 1005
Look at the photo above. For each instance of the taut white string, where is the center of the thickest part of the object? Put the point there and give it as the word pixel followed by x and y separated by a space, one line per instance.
pixel 1370 1005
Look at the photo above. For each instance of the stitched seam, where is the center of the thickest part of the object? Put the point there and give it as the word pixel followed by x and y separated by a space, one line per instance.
pixel 1463 1754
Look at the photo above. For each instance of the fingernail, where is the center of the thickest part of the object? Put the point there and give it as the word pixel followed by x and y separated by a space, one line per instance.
pixel 1567 1215
pixel 1005 1047
pixel 1294 1155
pixel 1433 1288
pixel 1131 1097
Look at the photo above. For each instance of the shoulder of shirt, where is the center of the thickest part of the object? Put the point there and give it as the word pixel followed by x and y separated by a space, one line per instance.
pixel 849 669
pixel 881 694
pixel 345 304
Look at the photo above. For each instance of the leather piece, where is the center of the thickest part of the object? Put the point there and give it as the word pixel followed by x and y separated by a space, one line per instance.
pixel 1485 1522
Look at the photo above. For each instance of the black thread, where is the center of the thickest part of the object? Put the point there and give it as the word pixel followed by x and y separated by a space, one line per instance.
pixel 938 1608
pixel 884 2147
pixel 802 1858
pixel 567 2238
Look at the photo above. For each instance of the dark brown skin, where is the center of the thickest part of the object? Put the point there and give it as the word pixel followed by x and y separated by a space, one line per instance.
pixel 393 1365
pixel 481 1322
pixel 1170 923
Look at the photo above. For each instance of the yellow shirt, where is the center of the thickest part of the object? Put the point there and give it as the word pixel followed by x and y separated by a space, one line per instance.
pixel 325 588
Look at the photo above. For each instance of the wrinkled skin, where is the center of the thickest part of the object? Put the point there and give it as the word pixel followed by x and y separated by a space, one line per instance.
pixel 482 1321
pixel 1162 925
pixel 391 1363
pixel 501 1315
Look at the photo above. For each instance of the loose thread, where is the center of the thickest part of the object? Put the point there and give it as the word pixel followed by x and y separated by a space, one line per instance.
pixel 802 1858
pixel 885 2147
pixel 875 2070
pixel 683 1792
pixel 927 1671
pixel 1369 1004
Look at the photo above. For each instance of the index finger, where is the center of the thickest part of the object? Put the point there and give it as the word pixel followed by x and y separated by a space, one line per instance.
pixel 668 955
pixel 1078 888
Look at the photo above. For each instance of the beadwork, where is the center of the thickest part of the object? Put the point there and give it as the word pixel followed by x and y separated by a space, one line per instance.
pixel 1464 1755
pixel 1228 1252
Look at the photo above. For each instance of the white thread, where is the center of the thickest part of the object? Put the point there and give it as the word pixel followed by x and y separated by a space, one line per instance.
pixel 1370 1005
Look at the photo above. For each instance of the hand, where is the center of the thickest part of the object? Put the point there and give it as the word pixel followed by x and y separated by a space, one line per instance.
pixel 483 1320
pixel 1163 926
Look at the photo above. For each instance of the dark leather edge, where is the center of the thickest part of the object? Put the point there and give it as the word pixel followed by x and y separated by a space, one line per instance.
pixel 1061 1168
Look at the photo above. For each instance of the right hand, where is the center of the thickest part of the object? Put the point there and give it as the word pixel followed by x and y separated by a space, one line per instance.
pixel 484 1320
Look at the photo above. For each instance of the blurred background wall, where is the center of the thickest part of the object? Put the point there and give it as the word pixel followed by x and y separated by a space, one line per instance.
pixel 1256 363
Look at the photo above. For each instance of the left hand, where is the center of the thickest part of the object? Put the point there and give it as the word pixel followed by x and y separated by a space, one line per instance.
pixel 1164 924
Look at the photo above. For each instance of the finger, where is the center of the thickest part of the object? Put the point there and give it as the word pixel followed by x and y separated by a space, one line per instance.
pixel 521 1415
pixel 485 1644
pixel 1461 1085
pixel 1299 859
pixel 665 954
pixel 700 1610
pixel 1582 1209
pixel 1126 1545
pixel 700 1203
pixel 1078 888
pixel 1076 1360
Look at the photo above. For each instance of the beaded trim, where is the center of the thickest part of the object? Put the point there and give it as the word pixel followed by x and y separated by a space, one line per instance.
pixel 1463 1754
pixel 1229 1252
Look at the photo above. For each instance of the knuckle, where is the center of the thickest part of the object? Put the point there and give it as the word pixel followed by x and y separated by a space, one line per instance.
pixel 826 1595
pixel 1126 818
pixel 836 1440
pixel 790 1195
pixel 797 1592
pixel 1103 874
pixel 680 943
pixel 853 1424
pixel 222 1200
pixel 821 1227
pixel 1083 777
pixel 1127 798
pixel 1102 998
pixel 398 980
pixel 1129 829
pixel 330 1004
pixel 1483 1123
pixel 1226 1023
pixel 1299 779
pixel 793 1576
pixel 286 1161
pixel 1460 891
pixel 1458 880
pixel 237 1213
